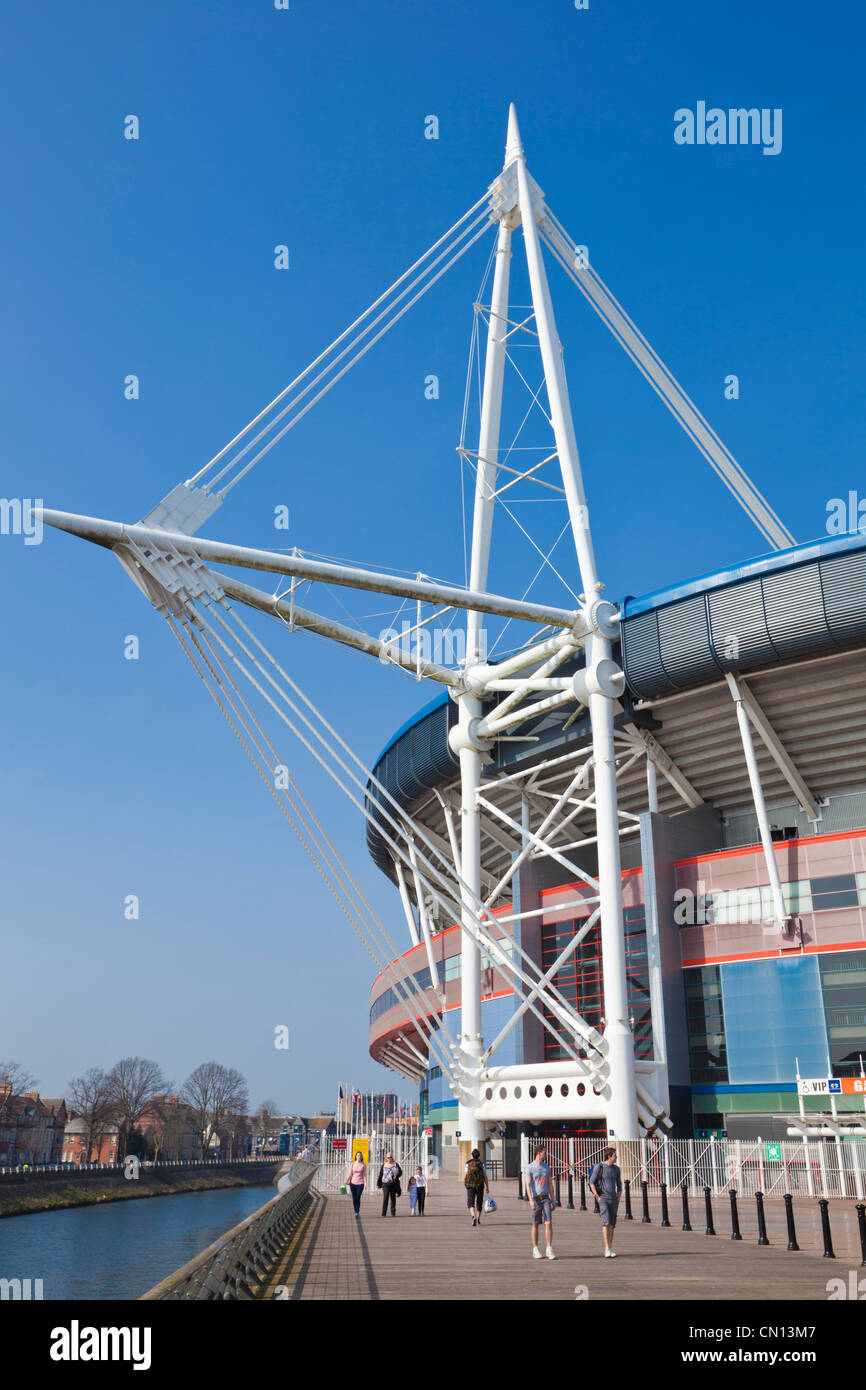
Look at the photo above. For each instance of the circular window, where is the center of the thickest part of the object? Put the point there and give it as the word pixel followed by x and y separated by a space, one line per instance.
pixel 563 1090
pixel 548 1091
pixel 581 1089
pixel 532 1093
pixel 502 1093
pixel 596 1091
pixel 489 1093
pixel 517 1093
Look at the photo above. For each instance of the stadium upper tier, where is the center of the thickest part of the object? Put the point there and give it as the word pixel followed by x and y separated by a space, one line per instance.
pixel 791 622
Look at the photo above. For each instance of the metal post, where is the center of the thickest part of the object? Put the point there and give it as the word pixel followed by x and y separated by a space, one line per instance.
pixel 708 1209
pixel 823 1167
pixel 858 1176
pixel 789 1218
pixel 652 786
pixel 557 1201
pixel 825 1229
pixel 758 798
pixel 861 1223
pixel 665 1218
pixel 622 1119
pixel 687 1225
pixel 628 1212
pixel 762 1223
pixel 809 1183
pixel 644 1194
pixel 693 1187
pixel 735 1218
pixel 583 1192
pixel 569 1206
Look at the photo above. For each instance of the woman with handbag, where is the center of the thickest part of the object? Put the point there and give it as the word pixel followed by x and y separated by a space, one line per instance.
pixel 389 1180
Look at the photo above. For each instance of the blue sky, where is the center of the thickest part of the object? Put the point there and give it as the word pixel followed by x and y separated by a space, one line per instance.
pixel 155 257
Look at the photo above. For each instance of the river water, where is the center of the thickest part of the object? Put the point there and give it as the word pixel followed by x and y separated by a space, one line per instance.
pixel 119 1249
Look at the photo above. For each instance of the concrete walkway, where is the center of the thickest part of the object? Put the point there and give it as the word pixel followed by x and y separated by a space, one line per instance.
pixel 440 1256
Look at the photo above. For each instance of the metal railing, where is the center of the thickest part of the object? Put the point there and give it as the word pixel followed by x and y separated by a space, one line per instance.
pixel 22 1168
pixel 819 1168
pixel 240 1262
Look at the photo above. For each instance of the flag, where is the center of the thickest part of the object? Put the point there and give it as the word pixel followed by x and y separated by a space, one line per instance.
pixel 341 1092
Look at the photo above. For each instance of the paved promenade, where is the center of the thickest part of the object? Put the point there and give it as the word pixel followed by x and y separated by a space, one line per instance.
pixel 440 1256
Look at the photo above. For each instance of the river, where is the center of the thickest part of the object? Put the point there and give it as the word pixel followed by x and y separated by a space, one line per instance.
pixel 119 1249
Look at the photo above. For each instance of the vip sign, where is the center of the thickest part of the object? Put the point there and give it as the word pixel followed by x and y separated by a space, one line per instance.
pixel 833 1086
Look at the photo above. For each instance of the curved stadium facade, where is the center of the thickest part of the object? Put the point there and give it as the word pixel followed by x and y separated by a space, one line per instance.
pixel 736 1005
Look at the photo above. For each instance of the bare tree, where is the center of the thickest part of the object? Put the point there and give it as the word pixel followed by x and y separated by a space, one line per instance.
pixel 133 1083
pixel 15 1079
pixel 212 1092
pixel 266 1120
pixel 90 1096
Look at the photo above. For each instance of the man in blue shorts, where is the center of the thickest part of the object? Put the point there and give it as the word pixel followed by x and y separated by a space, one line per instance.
pixel 605 1183
pixel 540 1197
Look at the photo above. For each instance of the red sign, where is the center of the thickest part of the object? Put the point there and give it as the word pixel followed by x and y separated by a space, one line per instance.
pixel 338 1143
pixel 428 1134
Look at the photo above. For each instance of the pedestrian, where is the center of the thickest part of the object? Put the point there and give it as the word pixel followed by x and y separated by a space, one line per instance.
pixel 389 1177
pixel 540 1201
pixel 605 1183
pixel 475 1182
pixel 356 1180
pixel 412 1189
pixel 420 1189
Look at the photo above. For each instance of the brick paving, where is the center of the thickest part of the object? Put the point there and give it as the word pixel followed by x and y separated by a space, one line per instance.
pixel 440 1256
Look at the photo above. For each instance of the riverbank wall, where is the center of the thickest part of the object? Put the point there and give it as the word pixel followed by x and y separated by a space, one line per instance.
pixel 50 1191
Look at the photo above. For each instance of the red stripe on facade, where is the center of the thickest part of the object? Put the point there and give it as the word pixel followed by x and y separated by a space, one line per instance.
pixel 763 955
pixel 777 844
pixel 449 1008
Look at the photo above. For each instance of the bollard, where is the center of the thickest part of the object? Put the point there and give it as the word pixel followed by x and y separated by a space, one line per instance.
pixel 665 1217
pixel 582 1192
pixel 708 1208
pixel 644 1194
pixel 519 1186
pixel 825 1229
pixel 762 1224
pixel 735 1216
pixel 684 1191
pixel 570 1203
pixel 861 1222
pixel 628 1215
pixel 789 1217
pixel 557 1202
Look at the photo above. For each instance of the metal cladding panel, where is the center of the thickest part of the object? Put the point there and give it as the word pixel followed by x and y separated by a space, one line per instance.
pixel 419 759
pixel 641 656
pixel 843 578
pixel 684 642
pixel 739 627
pixel 794 605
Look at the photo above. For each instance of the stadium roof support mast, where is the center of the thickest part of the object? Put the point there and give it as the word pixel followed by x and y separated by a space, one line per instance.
pixel 622 1117
pixel 520 199
pixel 465 741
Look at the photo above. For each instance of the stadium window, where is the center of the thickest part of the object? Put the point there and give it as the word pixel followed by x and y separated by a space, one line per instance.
pixel 838 890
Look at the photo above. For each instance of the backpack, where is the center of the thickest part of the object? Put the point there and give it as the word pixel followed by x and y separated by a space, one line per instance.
pixel 474 1176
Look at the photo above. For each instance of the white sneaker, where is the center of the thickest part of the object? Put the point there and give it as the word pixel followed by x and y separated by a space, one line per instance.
pixel 612 1254
pixel 536 1253
pixel 549 1253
